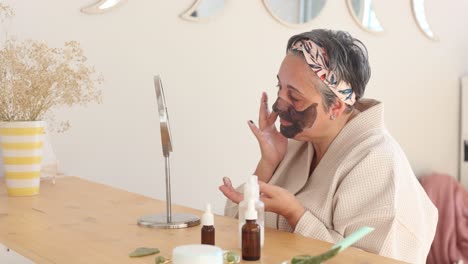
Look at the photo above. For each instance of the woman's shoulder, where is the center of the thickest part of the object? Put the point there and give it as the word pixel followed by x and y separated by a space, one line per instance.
pixel 374 150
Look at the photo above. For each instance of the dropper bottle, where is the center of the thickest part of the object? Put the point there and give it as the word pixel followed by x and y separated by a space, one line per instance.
pixel 251 234
pixel 208 230
pixel 252 191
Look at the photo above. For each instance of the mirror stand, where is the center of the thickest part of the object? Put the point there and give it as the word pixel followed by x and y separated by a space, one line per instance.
pixel 166 220
pixel 169 220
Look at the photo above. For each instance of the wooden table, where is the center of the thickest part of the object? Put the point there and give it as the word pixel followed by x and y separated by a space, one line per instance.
pixel 77 221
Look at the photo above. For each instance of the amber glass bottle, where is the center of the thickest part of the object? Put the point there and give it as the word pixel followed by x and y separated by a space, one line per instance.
pixel 208 235
pixel 251 234
pixel 208 230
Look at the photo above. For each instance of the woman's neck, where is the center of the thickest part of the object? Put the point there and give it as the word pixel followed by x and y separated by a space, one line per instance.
pixel 321 145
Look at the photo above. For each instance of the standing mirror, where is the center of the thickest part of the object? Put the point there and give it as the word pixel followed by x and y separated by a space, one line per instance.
pixel 168 219
pixel 420 16
pixel 203 10
pixel 294 12
pixel 364 14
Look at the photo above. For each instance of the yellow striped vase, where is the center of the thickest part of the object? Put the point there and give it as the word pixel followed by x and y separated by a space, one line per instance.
pixel 21 144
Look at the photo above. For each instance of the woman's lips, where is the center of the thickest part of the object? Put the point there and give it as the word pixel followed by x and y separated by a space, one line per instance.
pixel 284 122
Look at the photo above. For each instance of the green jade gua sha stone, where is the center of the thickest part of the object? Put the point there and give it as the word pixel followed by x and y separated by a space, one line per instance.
pixel 337 248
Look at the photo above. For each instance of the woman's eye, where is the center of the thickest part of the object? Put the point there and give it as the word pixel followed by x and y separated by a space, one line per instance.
pixel 293 99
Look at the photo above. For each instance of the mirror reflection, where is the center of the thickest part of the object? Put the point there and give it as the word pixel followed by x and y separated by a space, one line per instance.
pixel 420 16
pixel 294 11
pixel 204 9
pixel 101 6
pixel 364 13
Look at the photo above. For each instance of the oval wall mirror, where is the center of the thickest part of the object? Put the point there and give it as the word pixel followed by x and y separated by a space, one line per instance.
pixel 294 12
pixel 363 13
pixel 420 16
pixel 203 10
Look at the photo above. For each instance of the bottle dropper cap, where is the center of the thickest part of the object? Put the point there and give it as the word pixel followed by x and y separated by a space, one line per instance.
pixel 251 188
pixel 207 217
pixel 251 213
pixel 254 187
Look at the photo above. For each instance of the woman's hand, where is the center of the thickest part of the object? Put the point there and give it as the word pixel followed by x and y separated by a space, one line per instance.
pixel 230 192
pixel 282 202
pixel 272 143
pixel 276 199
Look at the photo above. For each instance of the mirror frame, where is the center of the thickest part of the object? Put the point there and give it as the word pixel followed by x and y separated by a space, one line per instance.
pixel 356 19
pixel 187 13
pixel 291 25
pixel 166 137
pixel 413 11
pixel 94 9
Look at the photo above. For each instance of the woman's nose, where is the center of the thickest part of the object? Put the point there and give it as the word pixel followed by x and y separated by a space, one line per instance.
pixel 283 95
pixel 281 104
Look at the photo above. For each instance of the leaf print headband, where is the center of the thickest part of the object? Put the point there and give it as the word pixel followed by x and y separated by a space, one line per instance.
pixel 317 59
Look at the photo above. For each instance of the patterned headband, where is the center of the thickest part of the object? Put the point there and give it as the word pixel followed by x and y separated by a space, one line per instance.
pixel 317 59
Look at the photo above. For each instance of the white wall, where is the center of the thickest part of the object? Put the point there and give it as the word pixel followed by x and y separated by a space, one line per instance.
pixel 214 72
pixel 464 132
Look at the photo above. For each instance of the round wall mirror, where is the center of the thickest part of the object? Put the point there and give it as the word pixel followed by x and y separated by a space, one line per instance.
pixel 420 16
pixel 102 6
pixel 363 13
pixel 294 12
pixel 203 10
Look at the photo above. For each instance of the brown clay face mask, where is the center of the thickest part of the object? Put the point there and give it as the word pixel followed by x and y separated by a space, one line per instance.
pixel 299 119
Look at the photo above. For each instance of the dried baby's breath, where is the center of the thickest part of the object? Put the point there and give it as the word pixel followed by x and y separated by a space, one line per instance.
pixel 35 78
pixel 5 12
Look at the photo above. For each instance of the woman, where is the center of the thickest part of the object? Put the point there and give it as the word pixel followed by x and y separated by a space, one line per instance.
pixel 340 169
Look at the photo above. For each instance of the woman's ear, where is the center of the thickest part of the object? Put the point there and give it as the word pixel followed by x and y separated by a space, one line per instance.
pixel 337 109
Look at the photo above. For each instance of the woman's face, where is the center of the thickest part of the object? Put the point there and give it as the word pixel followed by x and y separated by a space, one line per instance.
pixel 299 104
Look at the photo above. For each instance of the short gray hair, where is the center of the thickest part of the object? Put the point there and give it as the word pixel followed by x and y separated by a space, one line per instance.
pixel 347 57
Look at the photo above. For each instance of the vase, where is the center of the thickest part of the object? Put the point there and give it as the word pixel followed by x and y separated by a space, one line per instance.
pixel 21 146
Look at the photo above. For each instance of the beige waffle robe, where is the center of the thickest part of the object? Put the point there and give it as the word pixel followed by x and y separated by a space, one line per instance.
pixel 364 179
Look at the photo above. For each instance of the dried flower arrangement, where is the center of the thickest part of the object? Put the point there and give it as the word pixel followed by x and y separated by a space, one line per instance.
pixel 5 11
pixel 34 78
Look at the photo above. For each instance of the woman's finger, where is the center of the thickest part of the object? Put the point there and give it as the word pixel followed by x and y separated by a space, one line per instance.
pixel 227 182
pixel 272 118
pixel 268 189
pixel 230 192
pixel 264 112
pixel 268 202
pixel 255 131
pixel 275 198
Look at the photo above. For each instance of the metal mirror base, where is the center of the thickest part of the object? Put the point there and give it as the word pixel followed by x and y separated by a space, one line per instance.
pixel 178 220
